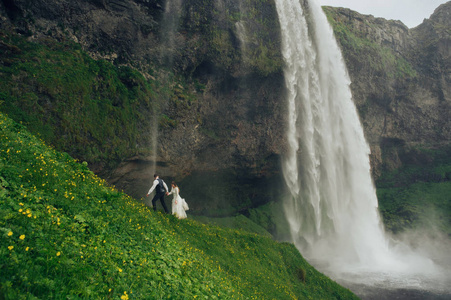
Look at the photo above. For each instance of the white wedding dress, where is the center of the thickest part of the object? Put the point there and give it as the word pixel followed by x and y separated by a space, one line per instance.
pixel 177 204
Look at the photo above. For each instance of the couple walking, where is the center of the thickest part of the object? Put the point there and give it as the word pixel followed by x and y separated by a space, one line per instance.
pixel 179 206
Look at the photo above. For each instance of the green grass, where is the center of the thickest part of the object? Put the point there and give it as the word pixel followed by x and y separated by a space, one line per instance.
pixel 418 205
pixel 235 222
pixel 418 195
pixel 65 234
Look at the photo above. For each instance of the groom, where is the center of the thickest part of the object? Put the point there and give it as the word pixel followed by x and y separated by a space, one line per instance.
pixel 160 188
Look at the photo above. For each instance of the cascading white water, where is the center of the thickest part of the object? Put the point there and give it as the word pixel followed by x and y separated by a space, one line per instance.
pixel 327 169
pixel 333 209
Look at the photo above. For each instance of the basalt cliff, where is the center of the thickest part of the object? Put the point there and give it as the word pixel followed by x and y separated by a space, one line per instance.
pixel 211 90
pixel 400 81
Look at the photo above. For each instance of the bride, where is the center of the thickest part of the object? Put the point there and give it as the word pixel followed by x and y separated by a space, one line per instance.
pixel 178 203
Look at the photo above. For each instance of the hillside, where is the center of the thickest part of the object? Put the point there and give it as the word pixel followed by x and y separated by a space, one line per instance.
pixel 66 234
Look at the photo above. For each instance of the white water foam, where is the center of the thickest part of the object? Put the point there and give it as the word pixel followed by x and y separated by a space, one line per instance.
pixel 333 209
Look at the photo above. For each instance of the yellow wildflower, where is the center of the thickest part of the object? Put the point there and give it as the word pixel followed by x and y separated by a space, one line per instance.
pixel 22 237
pixel 10 233
pixel 58 253
pixel 10 248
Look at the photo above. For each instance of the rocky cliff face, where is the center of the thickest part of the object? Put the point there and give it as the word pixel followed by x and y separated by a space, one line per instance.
pixel 224 130
pixel 400 80
pixel 224 127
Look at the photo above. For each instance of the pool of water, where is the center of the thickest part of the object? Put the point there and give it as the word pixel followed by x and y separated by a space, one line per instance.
pixel 400 286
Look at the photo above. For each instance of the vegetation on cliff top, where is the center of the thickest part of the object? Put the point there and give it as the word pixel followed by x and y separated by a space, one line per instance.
pixel 65 234
pixel 381 60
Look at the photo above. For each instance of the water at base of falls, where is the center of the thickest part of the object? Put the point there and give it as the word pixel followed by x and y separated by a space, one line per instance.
pixel 388 286
pixel 333 209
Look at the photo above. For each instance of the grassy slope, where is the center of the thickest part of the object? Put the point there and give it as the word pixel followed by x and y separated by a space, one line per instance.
pixel 418 195
pixel 65 234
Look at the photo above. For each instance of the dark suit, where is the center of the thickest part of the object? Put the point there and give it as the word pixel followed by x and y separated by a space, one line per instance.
pixel 160 191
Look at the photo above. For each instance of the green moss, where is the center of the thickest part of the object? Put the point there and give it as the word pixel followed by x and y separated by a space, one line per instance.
pixel 383 60
pixel 93 109
pixel 166 122
pixel 271 216
pixel 218 28
pixel 73 101
pixel 265 60
pixel 417 195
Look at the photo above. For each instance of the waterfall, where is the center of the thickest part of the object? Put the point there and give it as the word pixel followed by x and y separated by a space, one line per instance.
pixel 332 209
pixel 168 36
pixel 169 28
pixel 242 32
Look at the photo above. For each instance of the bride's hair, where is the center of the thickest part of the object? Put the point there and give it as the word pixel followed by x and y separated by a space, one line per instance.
pixel 175 185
